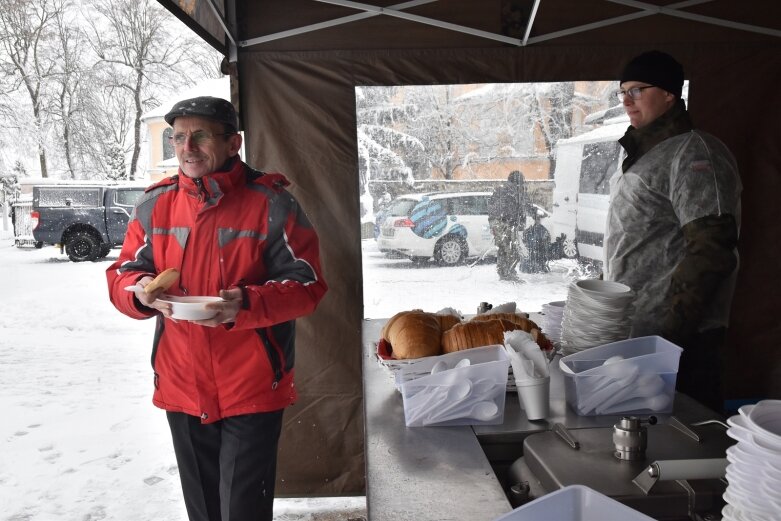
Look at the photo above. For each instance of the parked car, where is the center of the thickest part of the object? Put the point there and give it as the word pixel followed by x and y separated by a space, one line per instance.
pixel 85 221
pixel 448 226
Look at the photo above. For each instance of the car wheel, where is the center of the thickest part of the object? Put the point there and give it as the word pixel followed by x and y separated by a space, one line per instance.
pixel 82 246
pixel 449 251
pixel 570 249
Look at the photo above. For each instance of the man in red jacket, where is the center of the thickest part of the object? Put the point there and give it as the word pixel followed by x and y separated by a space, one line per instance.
pixel 224 382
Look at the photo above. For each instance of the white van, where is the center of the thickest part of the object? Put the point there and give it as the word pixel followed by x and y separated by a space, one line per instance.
pixel 584 166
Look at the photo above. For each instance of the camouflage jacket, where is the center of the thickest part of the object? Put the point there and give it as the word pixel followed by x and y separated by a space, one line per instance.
pixel 673 225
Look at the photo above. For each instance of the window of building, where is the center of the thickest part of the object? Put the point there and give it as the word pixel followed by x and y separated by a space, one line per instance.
pixel 168 147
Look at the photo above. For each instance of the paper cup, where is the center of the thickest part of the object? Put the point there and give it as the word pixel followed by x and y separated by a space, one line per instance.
pixel 534 396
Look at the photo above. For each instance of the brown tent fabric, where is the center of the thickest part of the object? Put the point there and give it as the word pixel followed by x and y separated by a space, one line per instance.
pixel 298 110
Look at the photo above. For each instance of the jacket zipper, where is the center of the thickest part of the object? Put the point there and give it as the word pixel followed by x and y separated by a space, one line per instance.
pixel 273 355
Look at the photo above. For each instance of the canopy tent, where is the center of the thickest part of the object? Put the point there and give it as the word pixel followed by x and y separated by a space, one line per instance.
pixel 294 66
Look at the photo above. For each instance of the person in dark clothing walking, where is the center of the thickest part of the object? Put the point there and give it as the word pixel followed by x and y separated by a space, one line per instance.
pixel 507 209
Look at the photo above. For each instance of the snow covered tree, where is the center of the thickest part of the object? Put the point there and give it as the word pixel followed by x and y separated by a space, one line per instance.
pixel 383 147
pixel 135 45
pixel 115 160
pixel 26 60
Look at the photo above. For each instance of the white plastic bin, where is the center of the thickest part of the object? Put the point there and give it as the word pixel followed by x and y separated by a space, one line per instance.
pixel 642 382
pixel 468 395
pixel 574 503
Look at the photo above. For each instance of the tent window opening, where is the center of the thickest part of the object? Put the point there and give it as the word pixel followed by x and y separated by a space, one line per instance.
pixel 429 160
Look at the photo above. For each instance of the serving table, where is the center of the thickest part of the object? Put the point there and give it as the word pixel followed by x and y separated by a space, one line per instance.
pixel 455 473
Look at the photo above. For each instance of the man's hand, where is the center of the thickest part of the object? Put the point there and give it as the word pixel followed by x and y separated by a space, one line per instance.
pixel 150 299
pixel 226 311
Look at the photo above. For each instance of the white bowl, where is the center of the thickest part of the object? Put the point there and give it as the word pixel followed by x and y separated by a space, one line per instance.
pixel 765 418
pixel 190 307
pixel 605 290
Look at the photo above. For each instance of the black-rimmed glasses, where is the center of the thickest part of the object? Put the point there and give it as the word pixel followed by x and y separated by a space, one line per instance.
pixel 634 93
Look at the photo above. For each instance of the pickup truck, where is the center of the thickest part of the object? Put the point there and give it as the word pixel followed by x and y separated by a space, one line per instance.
pixel 85 221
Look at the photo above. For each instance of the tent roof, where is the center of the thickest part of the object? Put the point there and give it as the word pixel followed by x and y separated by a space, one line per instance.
pixel 343 24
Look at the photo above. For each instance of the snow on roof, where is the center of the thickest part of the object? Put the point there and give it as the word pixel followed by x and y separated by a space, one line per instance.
pixel 219 88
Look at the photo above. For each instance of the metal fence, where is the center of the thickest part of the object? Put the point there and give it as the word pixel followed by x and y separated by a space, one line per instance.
pixel 23 227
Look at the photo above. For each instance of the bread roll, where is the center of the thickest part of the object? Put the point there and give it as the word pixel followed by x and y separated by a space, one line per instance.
pixel 524 323
pixel 447 321
pixel 472 334
pixel 512 321
pixel 164 280
pixel 389 324
pixel 413 334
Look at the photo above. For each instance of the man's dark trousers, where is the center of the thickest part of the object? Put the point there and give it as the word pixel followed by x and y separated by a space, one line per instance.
pixel 228 467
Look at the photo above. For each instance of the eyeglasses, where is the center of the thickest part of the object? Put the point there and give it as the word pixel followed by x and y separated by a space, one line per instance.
pixel 634 92
pixel 197 138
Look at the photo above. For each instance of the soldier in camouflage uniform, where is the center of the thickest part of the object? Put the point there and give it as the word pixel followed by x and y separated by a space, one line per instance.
pixel 673 224
pixel 507 209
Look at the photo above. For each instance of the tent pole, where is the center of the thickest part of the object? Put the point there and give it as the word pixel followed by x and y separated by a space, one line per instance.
pixel 673 10
pixel 424 20
pixel 329 23
pixel 529 24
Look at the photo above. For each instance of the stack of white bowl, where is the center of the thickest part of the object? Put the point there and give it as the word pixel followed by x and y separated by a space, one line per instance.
pixel 553 314
pixel 597 312
pixel 754 471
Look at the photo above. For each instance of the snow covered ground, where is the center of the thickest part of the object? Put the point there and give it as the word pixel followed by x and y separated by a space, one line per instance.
pixel 79 437
pixel 392 285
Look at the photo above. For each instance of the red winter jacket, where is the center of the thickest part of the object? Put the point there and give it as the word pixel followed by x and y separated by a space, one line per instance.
pixel 239 228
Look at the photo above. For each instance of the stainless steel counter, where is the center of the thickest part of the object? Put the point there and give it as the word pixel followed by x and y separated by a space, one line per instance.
pixel 420 473
pixel 443 473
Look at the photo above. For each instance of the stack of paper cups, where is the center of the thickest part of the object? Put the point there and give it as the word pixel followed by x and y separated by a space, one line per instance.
pixel 534 395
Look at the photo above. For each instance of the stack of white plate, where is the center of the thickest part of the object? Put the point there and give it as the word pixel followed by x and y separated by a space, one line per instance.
pixel 597 312
pixel 553 313
pixel 754 471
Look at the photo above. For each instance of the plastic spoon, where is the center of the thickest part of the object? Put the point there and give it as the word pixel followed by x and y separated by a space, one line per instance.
pixel 616 379
pixel 654 403
pixel 439 395
pixel 646 388
pixel 439 367
pixel 478 390
pixel 465 362
pixel 480 411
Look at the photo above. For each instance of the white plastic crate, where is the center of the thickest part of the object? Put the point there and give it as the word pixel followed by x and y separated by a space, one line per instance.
pixel 469 395
pixel 643 381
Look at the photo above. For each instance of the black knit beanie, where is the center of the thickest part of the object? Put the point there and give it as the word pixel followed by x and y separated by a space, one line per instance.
pixel 655 68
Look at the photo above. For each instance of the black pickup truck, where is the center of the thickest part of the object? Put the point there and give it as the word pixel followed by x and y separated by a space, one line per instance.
pixel 84 221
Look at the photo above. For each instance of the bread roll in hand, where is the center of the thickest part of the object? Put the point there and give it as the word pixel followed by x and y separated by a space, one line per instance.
pixel 164 280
